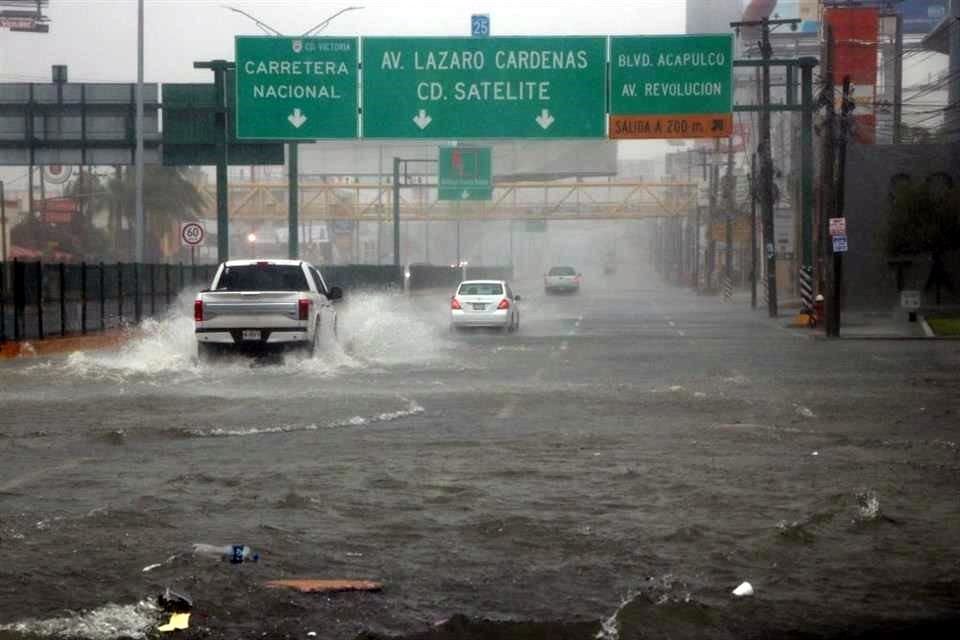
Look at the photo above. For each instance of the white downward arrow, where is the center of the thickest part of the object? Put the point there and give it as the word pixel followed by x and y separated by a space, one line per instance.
pixel 465 195
pixel 296 118
pixel 422 119
pixel 545 119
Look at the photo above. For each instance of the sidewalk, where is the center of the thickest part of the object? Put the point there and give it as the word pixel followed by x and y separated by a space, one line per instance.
pixel 49 346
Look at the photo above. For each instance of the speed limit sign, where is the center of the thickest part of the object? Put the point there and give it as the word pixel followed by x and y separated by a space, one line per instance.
pixel 191 234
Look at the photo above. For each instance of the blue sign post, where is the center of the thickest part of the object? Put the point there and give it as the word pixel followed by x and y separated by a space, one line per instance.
pixel 480 25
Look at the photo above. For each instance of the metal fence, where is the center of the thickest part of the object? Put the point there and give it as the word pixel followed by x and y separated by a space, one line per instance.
pixel 40 300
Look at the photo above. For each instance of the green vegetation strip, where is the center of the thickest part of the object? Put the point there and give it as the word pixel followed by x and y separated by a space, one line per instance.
pixel 945 326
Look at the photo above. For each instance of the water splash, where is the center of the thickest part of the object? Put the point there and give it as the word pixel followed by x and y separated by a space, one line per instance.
pixel 372 329
pixel 868 506
pixel 390 329
pixel 104 623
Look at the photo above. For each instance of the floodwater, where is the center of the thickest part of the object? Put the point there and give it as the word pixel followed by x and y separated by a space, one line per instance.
pixel 614 470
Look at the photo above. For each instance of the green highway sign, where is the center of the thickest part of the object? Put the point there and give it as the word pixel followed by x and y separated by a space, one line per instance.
pixel 463 173
pixel 671 86
pixel 296 88
pixel 504 87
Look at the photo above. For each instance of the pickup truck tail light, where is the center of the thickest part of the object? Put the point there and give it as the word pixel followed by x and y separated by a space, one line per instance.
pixel 303 306
pixel 198 310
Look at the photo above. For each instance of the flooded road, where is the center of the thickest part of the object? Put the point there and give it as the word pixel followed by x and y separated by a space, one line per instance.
pixel 613 470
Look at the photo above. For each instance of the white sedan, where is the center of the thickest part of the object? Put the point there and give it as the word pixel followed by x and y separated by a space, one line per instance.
pixel 485 303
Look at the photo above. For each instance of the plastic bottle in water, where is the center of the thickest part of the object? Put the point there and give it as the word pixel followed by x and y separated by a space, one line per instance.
pixel 234 553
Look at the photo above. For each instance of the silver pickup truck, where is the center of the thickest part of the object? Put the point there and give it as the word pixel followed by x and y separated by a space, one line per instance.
pixel 257 305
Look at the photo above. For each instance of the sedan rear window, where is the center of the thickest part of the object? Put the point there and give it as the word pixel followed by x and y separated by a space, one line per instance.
pixel 265 277
pixel 481 289
pixel 562 271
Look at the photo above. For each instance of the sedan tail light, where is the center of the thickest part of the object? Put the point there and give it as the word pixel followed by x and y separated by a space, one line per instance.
pixel 303 306
pixel 198 310
pixel 504 304
pixel 455 304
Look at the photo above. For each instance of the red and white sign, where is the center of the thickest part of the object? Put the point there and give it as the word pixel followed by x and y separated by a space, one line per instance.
pixel 855 37
pixel 838 226
pixel 192 234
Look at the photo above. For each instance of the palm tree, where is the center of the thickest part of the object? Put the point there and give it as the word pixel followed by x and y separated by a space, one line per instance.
pixel 170 195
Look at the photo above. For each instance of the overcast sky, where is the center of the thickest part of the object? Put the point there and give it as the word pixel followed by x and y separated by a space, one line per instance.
pixel 97 38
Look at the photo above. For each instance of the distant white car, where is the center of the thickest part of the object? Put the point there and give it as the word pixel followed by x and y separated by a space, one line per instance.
pixel 263 304
pixel 485 303
pixel 562 279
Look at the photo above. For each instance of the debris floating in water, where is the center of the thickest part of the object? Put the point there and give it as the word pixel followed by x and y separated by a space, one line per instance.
pixel 745 589
pixel 326 586
pixel 805 412
pixel 177 622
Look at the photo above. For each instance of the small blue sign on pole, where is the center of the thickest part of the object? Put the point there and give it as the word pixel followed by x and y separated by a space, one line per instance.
pixel 480 25
pixel 839 244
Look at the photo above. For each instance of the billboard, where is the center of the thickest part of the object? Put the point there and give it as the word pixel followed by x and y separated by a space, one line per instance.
pixel 855 32
pixel 921 16
pixel 807 11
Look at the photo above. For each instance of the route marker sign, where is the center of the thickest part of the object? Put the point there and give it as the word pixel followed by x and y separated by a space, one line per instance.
pixel 296 88
pixel 464 173
pixel 839 244
pixel 671 86
pixel 504 87
pixel 480 25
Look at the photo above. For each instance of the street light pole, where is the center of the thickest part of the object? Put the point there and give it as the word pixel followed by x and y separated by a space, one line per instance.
pixel 138 198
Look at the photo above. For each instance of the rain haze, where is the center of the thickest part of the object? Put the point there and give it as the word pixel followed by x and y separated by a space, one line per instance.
pixel 463 320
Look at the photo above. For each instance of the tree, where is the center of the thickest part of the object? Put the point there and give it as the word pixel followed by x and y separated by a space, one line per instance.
pixel 170 196
pixel 925 219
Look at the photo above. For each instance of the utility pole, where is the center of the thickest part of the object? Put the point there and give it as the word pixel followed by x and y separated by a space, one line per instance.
pixel 846 107
pixel 766 159
pixel 396 211
pixel 753 230
pixel 138 179
pixel 827 164
pixel 898 76
pixel 766 173
pixel 729 197
pixel 710 257
pixel 696 230
pixel 806 183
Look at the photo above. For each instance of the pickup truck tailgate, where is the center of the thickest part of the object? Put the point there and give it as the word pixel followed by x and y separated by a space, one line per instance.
pixel 255 309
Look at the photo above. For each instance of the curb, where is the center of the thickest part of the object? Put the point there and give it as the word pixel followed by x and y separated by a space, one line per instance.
pixel 68 344
pixel 892 338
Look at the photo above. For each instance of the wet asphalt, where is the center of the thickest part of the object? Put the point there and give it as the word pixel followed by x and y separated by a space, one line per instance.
pixel 617 468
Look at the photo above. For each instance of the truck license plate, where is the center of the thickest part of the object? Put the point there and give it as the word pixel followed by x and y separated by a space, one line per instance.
pixel 251 335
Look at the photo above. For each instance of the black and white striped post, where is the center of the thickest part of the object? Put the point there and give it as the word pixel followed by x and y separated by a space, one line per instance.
pixel 806 289
pixel 727 288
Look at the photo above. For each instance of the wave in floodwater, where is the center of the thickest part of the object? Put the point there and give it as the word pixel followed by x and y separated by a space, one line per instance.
pixel 104 623
pixel 373 329
pixel 411 409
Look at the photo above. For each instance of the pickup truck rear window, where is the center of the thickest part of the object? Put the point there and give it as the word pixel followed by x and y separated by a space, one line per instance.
pixel 268 277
